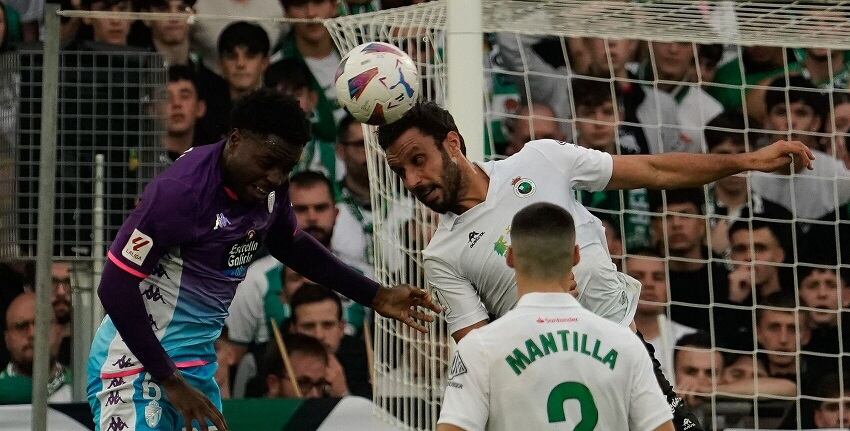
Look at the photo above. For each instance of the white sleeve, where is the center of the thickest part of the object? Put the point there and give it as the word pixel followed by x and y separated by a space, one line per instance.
pixel 247 313
pixel 461 303
pixel 584 168
pixel 648 408
pixel 466 400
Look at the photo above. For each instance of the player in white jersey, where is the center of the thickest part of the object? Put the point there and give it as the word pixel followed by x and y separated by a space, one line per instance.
pixel 464 261
pixel 549 363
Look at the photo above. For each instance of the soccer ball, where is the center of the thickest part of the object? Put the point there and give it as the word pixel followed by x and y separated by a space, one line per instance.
pixel 377 83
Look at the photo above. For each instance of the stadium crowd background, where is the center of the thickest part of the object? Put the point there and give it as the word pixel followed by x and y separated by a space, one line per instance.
pixel 751 273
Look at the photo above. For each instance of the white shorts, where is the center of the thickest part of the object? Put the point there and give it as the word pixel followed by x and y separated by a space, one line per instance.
pixel 603 289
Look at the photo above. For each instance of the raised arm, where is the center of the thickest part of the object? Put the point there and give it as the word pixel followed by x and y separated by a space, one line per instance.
pixel 678 170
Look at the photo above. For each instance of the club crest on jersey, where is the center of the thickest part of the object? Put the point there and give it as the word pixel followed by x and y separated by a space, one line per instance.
pixel 153 413
pixel 523 187
pixel 271 201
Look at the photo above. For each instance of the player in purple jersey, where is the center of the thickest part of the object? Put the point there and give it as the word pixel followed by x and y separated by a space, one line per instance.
pixel 173 268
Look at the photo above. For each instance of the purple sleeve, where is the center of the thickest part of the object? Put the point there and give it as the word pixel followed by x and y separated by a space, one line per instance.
pixel 119 293
pixel 301 252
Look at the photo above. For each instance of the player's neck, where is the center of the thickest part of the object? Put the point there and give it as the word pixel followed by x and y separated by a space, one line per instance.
pixel 473 186
pixel 530 285
pixel 732 199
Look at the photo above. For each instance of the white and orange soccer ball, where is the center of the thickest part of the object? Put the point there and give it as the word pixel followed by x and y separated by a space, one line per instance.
pixel 377 83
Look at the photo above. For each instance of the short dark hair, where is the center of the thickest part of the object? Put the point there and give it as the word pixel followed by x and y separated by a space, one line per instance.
pixel 267 112
pixel 710 54
pixel 307 179
pixel 272 364
pixel 591 93
pixel 699 340
pixel 644 252
pixel 780 231
pixel 785 302
pixel 727 120
pixel 290 73
pixel 804 271
pixel 543 237
pixel 829 386
pixel 241 33
pixel 180 72
pixel 311 293
pixel 676 196
pixel 427 117
pixel 344 125
pixel 809 95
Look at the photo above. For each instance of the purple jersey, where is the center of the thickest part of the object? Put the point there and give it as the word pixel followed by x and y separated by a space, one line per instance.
pixel 192 242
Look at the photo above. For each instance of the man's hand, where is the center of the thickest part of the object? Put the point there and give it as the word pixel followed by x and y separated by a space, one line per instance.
pixel 402 303
pixel 192 404
pixel 739 284
pixel 335 375
pixel 778 155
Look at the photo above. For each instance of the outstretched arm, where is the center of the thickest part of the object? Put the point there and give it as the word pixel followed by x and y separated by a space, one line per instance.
pixel 678 170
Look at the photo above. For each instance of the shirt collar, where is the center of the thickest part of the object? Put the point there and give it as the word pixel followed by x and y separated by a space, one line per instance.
pixel 547 299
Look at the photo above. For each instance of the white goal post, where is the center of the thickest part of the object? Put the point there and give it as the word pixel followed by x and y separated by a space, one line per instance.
pixel 411 368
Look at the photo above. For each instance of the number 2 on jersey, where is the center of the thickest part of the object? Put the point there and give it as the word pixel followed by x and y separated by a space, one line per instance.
pixel 573 391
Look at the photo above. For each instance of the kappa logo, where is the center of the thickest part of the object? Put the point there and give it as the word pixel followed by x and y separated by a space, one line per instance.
pixel 474 237
pixel 221 221
pixel 458 367
pixel 137 247
pixel 687 424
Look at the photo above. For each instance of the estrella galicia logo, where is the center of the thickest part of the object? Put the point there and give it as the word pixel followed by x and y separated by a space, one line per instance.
pixel 474 237
pixel 523 187
pixel 241 255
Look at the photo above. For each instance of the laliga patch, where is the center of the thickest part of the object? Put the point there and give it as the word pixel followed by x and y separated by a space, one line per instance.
pixel 271 201
pixel 137 247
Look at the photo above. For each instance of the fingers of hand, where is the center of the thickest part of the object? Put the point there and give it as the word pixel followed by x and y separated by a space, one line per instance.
pixel 410 321
pixel 418 315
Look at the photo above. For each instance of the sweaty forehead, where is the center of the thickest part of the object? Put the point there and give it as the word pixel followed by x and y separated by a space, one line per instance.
pixel 409 142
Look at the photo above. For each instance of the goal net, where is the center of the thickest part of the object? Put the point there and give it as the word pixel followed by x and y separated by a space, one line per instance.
pixel 745 280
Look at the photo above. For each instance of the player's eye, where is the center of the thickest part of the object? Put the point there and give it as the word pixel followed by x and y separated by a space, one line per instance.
pixel 419 160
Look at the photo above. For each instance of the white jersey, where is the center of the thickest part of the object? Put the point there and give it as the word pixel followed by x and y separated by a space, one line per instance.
pixel 551 364
pixel 465 260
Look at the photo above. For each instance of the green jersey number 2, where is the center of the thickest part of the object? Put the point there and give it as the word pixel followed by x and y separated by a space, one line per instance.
pixel 573 391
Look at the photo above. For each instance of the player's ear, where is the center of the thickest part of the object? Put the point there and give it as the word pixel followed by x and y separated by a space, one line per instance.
pixel 452 144
pixel 576 257
pixel 509 257
pixel 273 386
pixel 200 109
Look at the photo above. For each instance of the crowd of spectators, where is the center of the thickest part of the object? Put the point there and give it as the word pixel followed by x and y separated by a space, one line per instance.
pixel 746 283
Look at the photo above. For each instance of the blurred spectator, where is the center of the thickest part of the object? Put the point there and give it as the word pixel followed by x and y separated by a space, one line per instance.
pixel 108 31
pixel 13 284
pixel 9 80
pixel 10 26
pixel 317 312
pixel 680 235
pixel 755 64
pixel 226 359
pixel 291 76
pixel 597 128
pixel 697 367
pixel 309 360
pixel 31 16
pixel 677 67
pixel 258 298
pixel 353 238
pixel 183 109
pixel 534 122
pixel 207 32
pixel 652 112
pixel 243 50
pixel 353 7
pixel 739 377
pixel 614 239
pixel 16 378
pixel 778 331
pixel 837 129
pixel 708 58
pixel 825 298
pixel 648 267
pixel 731 196
pixel 313 203
pixel 60 300
pixel 801 117
pixel 312 44
pixel 833 411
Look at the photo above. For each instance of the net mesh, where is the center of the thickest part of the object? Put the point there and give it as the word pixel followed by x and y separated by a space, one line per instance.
pixel 738 259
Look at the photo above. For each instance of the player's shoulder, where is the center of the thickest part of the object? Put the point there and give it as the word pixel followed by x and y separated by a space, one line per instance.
pixel 440 245
pixel 195 168
pixel 544 151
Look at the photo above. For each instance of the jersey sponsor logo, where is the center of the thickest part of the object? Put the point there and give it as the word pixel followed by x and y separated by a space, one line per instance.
pixel 523 187
pixel 221 221
pixel 571 319
pixel 241 255
pixel 458 368
pixel 474 237
pixel 137 247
